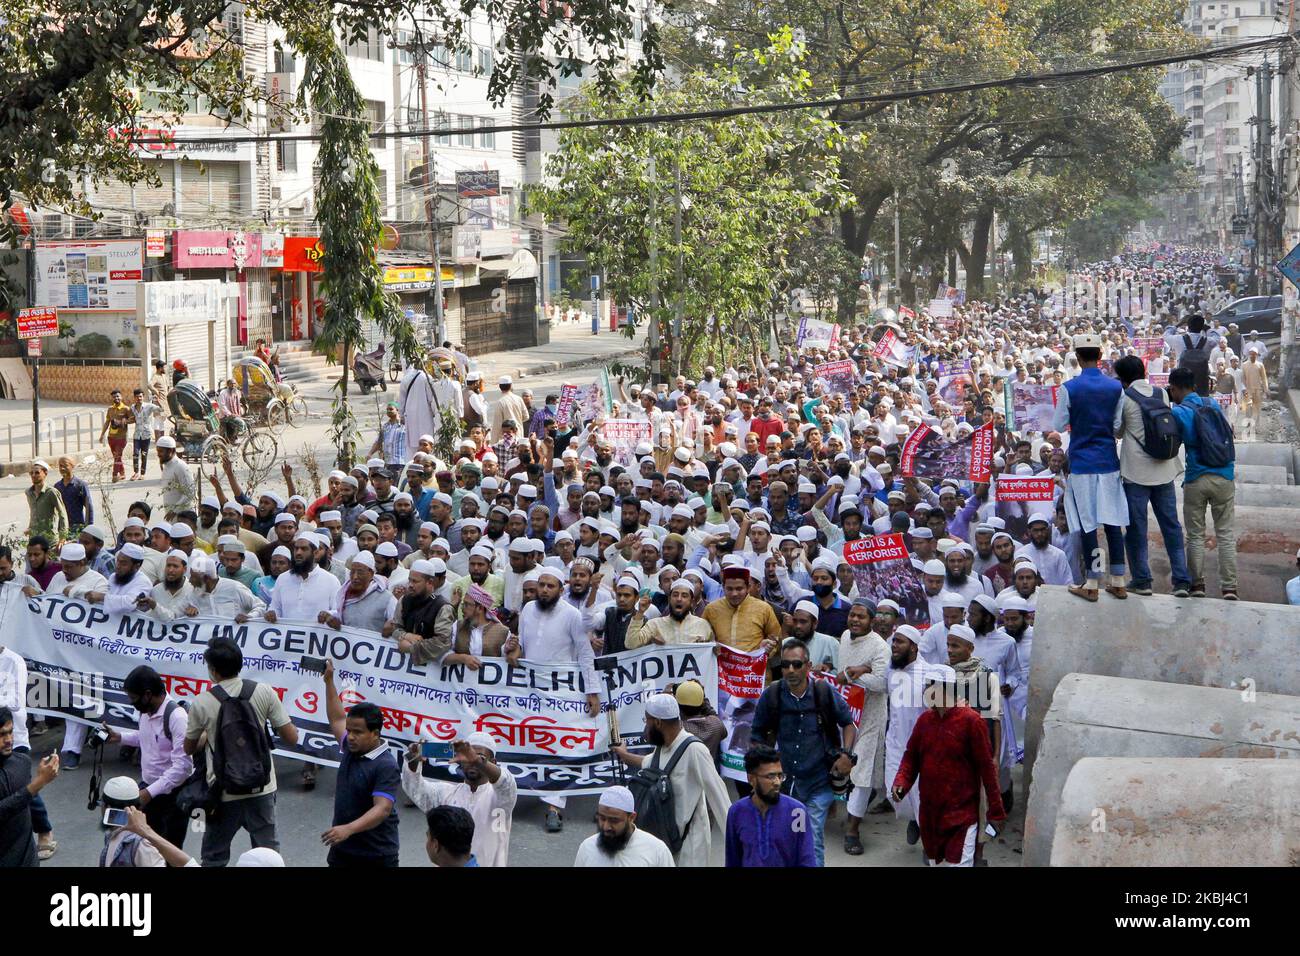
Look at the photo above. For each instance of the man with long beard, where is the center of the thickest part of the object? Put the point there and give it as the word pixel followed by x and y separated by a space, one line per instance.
pixel 678 626
pixel 1016 625
pixel 956 578
pixel 1052 563
pixel 172 597
pixel 906 704
pixel 617 840
pixel 864 661
pixel 305 589
pixel 553 630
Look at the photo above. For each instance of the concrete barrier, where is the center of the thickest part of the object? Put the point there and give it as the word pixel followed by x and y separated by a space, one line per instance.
pixel 1184 641
pixel 1266 453
pixel 1262 475
pixel 1096 716
pixel 1266 496
pixel 1159 811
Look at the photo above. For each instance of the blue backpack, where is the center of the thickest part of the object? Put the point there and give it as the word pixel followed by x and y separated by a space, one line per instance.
pixel 1214 444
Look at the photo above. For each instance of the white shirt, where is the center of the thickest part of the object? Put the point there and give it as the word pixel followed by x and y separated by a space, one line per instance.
pixel 13 692
pixel 89 581
pixel 120 598
pixel 641 849
pixel 1052 563
pixel 177 484
pixel 557 635
pixel 295 598
pixel 228 598
pixel 492 806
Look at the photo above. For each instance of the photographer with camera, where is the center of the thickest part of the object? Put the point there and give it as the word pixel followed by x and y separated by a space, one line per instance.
pixel 164 765
pixel 122 846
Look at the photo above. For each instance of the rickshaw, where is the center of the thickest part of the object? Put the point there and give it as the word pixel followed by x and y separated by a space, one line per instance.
pixel 199 435
pixel 266 401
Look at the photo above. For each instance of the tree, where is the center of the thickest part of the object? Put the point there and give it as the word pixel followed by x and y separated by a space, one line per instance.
pixel 751 186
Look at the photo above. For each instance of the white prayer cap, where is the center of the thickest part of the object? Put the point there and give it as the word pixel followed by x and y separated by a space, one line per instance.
pixel 826 562
pixel 544 571
pixel 619 798
pixel 806 533
pixel 682 584
pixel 1025 562
pixel 650 540
pixel 167 442
pixel 272 496
pixel 663 707
pixel 761 526
pixel 122 790
pixel 431 527
pixel 72 552
pixel 487 484
pixel 181 556
pixel 1014 602
pixel 482 739
pixel 301 500
pixel 363 558
pixel 376 463
pixel 386 549
pixel 907 631
pixel 520 546
pixel 809 608
pixel 684 511
pixel 807 488
pixel 404 496
pixel 628 581
pixel 953 599
pixel 325 516
pixel 986 602
pixel 528 491
pixel 479 523
pixel 337 475
pixel 260 856
pixel 888 604
pixel 132 522
pixel 132 551
pixel 181 530
pixel 935 566
pixel 443 498
pixel 308 536
pixel 285 518
pixel 211 501
pixel 963 632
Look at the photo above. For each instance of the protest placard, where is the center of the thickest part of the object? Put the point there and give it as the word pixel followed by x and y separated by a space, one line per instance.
pixel 625 434
pixel 883 569
pixel 836 377
pixel 741 676
pixel 1030 406
pixel 928 454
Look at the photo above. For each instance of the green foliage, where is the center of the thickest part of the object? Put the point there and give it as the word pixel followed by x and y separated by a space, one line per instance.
pixel 751 186
pixel 93 345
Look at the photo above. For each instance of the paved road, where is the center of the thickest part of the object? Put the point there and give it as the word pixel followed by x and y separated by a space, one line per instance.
pixel 303 816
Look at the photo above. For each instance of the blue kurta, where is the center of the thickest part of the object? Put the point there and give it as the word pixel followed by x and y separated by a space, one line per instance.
pixel 754 839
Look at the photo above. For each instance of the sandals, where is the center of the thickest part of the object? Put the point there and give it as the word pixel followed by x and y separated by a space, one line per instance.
pixel 853 845
pixel 46 850
pixel 1117 591
pixel 1088 594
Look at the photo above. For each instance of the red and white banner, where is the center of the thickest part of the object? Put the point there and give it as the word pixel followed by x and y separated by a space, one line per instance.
pixel 741 678
pixel 928 454
pixel 855 695
pixel 37 323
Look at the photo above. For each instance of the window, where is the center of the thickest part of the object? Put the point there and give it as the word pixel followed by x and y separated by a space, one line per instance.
pixel 466 125
pixel 369 47
pixel 286 156
pixel 465 60
pixel 487 139
pixel 439 55
pixel 440 122
pixel 485 60
pixel 405 41
pixel 284 61
pixel 376 115
pixel 381 186
pixel 414 118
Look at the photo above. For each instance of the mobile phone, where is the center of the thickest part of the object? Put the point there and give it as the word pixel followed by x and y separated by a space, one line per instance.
pixel 432 750
pixel 114 817
pixel 315 665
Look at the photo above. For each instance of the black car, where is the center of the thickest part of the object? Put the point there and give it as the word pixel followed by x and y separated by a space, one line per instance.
pixel 1255 313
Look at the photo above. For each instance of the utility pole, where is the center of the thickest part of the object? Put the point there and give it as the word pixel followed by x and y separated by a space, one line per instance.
pixel 1291 201
pixel 431 201
pixel 898 269
pixel 1261 258
pixel 30 267
pixel 679 279
pixel 652 336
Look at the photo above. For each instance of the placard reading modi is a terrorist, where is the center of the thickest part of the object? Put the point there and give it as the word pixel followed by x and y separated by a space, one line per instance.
pixel 928 454
pixel 882 568
pixel 78 656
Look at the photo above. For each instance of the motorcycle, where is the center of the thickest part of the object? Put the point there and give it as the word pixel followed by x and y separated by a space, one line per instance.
pixel 368 369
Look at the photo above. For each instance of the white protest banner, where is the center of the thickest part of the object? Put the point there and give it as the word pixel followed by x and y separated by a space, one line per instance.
pixel 940 308
pixel 836 377
pixel 537 712
pixel 814 334
pixel 625 434
pixel 741 676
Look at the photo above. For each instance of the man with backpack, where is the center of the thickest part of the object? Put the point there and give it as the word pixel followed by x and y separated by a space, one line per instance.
pixel 812 728
pixel 676 786
pixel 164 764
pixel 233 717
pixel 1208 480
pixel 1150 439
pixel 1193 350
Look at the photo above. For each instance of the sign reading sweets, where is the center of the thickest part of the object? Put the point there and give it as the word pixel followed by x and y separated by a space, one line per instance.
pixel 836 377
pixel 741 677
pixel 625 434
pixel 536 712
pixel 928 454
pixel 883 569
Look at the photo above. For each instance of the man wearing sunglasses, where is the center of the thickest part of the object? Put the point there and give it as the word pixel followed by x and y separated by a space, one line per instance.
pixel 812 729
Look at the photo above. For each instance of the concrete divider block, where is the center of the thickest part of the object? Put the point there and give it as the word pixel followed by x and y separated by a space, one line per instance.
pixel 1197 641
pixel 1096 716
pixel 1266 453
pixel 1262 475
pixel 1161 811
pixel 1267 496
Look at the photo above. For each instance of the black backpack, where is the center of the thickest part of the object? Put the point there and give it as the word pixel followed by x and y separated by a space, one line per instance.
pixel 1162 436
pixel 822 703
pixel 1214 445
pixel 241 749
pixel 1196 359
pixel 652 791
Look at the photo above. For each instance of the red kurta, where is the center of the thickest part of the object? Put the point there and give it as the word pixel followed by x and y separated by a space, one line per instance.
pixel 951 753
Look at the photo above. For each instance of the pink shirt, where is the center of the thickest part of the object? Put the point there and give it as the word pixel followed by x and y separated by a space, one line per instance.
pixel 164 764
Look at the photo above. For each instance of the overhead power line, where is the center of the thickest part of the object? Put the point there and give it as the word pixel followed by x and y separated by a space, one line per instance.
pixel 865 99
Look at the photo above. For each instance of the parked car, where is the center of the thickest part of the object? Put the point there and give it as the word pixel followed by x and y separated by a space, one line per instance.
pixel 1255 313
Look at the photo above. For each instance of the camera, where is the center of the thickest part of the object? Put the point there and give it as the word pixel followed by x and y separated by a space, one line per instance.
pixel 97 737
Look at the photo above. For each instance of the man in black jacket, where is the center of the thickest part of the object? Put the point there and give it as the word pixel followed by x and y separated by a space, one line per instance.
pixel 424 620
pixel 17 788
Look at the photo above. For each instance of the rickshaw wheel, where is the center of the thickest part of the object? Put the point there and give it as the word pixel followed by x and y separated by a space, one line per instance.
pixel 394 371
pixel 297 410
pixel 214 449
pixel 276 416
pixel 259 450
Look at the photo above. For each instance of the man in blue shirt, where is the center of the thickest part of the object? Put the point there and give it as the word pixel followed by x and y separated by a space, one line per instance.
pixel 450 836
pixel 1293 586
pixel 813 730
pixel 768 828
pixel 364 829
pixel 1203 486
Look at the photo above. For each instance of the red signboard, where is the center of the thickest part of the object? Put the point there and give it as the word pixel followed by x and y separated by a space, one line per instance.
pixel 37 323
pixel 303 254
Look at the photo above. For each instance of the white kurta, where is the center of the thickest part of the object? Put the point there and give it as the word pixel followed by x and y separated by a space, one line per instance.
pixel 1018 704
pixel 642 849
pixel 934 644
pixel 557 636
pixel 998 653
pixel 227 599
pixel 872 650
pixel 302 599
pixel 697 790
pixel 423 401
pixel 492 806
pixel 89 581
pixel 906 704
